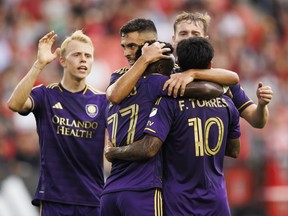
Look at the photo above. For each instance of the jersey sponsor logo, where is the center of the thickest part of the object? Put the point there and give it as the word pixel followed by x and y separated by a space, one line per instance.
pixel 91 110
pixel 153 112
pixel 57 106
pixel 75 128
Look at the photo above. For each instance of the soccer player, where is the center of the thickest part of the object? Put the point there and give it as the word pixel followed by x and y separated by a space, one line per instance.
pixel 133 35
pixel 134 188
pixel 196 24
pixel 70 118
pixel 197 133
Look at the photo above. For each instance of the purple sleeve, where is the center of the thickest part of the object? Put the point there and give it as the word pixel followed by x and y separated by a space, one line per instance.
pixel 114 77
pixel 117 74
pixel 37 96
pixel 234 127
pixel 155 85
pixel 160 119
pixel 240 99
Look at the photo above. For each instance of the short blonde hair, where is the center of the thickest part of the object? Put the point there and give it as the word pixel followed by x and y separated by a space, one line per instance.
pixel 202 17
pixel 78 35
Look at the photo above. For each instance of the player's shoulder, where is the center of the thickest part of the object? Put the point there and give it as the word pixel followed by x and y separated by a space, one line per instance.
pixel 48 87
pixel 54 86
pixel 236 88
pixel 229 102
pixel 121 71
pixel 39 86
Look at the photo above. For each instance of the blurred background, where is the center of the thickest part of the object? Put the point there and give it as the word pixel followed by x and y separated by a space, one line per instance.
pixel 250 37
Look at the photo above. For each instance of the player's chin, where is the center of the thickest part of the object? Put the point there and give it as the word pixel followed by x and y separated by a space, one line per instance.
pixel 131 62
pixel 82 75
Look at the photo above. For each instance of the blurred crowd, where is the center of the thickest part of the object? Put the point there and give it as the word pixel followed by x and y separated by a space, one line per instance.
pixel 250 37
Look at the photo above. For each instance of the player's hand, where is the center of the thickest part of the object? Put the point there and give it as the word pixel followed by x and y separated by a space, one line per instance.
pixel 45 54
pixel 177 81
pixel 108 149
pixel 264 94
pixel 154 52
pixel 108 153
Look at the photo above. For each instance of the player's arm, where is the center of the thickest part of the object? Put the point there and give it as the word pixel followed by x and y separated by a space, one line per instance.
pixel 178 81
pixel 19 101
pixel 147 147
pixel 124 85
pixel 233 148
pixel 203 89
pixel 257 115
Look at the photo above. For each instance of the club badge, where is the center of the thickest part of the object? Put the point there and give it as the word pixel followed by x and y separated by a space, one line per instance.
pixel 91 110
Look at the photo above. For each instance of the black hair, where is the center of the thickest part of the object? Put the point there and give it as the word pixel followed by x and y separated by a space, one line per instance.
pixel 194 53
pixel 139 25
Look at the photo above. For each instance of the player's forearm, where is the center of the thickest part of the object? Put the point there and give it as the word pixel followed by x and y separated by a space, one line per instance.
pixel 141 149
pixel 233 148
pixel 218 75
pixel 256 115
pixel 131 153
pixel 124 85
pixel 261 116
pixel 17 100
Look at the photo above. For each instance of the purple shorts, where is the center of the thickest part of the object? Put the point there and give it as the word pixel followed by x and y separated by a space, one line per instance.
pixel 59 209
pixel 131 203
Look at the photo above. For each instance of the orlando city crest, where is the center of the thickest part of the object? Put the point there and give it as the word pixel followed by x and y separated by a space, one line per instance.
pixel 91 110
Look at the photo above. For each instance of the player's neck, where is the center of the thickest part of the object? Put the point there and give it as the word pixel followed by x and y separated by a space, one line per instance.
pixel 73 86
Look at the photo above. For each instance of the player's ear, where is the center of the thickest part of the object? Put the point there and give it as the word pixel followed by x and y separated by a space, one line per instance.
pixel 210 65
pixel 159 68
pixel 62 62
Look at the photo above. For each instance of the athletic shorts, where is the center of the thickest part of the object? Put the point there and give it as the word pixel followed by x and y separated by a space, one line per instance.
pixel 59 209
pixel 131 203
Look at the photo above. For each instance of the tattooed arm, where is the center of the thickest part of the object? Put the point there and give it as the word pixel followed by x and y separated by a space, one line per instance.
pixel 141 149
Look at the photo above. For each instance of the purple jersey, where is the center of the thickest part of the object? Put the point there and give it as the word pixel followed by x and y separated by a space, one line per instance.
pixel 195 134
pixel 240 99
pixel 125 124
pixel 71 129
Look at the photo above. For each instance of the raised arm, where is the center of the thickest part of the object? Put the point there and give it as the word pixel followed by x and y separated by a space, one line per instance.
pixel 257 115
pixel 19 101
pixel 124 85
pixel 141 149
pixel 178 81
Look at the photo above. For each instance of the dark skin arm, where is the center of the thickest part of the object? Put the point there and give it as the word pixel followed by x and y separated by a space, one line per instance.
pixel 203 89
pixel 145 148
pixel 233 148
